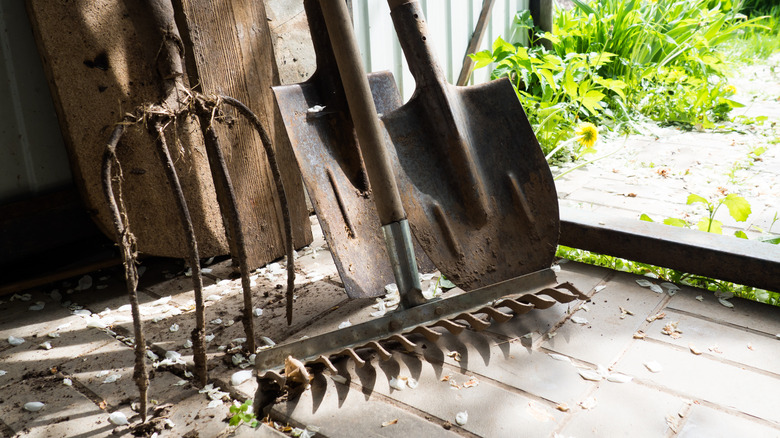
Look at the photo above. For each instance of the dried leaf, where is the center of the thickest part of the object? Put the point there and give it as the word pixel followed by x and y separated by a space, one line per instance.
pixel 653 366
pixel 563 407
pixel 694 350
pixel 397 383
pixel 471 383
pixel 725 303
pixel 390 423
pixel 589 403
pixel 118 418
pixel 639 334
pixel 34 406
pixel 579 320
pixel 619 378
pixel 560 357
pixel 112 378
pixel 461 418
pixel 750 347
pixel 700 298
pixel 455 355
pixel 240 377
pixel 659 315
pixel 13 340
pixel 345 324
pixel 643 282
pixel 715 349
pixel 592 375
pixel 656 288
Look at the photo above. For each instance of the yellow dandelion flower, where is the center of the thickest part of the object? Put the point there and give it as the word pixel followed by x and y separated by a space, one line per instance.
pixel 587 134
pixel 731 89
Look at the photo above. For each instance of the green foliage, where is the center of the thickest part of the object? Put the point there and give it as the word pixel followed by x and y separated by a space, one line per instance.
pixel 243 414
pixel 667 274
pixel 614 59
pixel 739 209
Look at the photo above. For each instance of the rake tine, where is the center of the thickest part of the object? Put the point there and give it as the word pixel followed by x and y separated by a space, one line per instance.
pixel 383 353
pixel 126 241
pixel 328 364
pixel 404 341
pixel 561 296
pixel 496 314
pixel 475 323
pixel 226 198
pixel 516 306
pixel 540 302
pixel 198 333
pixel 451 326
pixel 277 175
pixel 430 335
pixel 273 376
pixel 573 289
pixel 359 362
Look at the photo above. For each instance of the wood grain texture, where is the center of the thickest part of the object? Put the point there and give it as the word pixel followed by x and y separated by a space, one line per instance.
pixel 99 57
pixel 233 55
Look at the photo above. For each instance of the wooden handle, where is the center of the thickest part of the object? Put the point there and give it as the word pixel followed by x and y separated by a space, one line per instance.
pixel 363 111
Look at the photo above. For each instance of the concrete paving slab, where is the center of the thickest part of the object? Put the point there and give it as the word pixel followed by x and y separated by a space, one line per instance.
pixel 113 359
pixel 583 277
pixel 704 422
pixel 61 404
pixel 493 410
pixel 745 313
pixel 262 431
pixel 699 377
pixel 511 364
pixel 625 409
pixel 608 331
pixel 343 411
pixel 734 344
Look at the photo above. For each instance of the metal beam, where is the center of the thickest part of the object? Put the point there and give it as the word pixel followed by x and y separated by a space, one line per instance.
pixel 741 261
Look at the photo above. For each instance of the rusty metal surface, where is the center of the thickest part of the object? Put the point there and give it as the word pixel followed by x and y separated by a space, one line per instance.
pixel 723 257
pixel 320 129
pixel 478 193
pixel 499 302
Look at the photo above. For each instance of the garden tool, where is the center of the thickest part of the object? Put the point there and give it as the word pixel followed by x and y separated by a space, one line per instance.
pixel 322 134
pixel 478 192
pixel 522 182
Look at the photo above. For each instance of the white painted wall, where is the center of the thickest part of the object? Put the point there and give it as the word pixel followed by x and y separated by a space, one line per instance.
pixel 450 23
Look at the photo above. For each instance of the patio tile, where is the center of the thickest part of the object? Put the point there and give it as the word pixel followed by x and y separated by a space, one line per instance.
pixel 700 377
pixel 737 345
pixel 745 313
pixel 704 422
pixel 606 334
pixel 625 409
pixel 340 410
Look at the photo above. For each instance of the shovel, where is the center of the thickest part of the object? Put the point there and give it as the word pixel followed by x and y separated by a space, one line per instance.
pixel 479 195
pixel 323 138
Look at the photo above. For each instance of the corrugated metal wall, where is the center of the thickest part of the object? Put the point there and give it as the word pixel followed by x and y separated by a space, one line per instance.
pixel 33 159
pixel 450 23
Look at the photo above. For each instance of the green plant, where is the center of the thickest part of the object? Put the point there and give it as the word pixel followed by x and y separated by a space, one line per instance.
pixel 614 61
pixel 668 274
pixel 739 209
pixel 243 414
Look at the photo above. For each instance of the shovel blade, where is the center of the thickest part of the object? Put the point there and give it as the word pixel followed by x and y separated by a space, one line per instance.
pixel 322 136
pixel 478 201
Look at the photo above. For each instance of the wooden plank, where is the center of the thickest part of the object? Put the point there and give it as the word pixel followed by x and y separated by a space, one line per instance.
pixel 234 56
pixel 475 42
pixel 99 56
pixel 727 258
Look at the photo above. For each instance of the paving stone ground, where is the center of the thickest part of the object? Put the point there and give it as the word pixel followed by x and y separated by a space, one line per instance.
pixel 719 376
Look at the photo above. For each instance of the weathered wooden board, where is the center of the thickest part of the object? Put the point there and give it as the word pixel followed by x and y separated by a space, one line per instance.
pixel 233 55
pixel 99 56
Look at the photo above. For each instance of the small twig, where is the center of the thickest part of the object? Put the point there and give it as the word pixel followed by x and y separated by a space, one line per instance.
pixel 277 175
pixel 198 333
pixel 226 198
pixel 126 241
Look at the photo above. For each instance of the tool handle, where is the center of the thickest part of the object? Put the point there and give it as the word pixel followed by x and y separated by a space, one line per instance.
pixel 412 30
pixel 363 111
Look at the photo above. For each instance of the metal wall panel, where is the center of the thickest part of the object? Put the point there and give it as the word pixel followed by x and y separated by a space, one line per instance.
pixel 33 158
pixel 450 23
